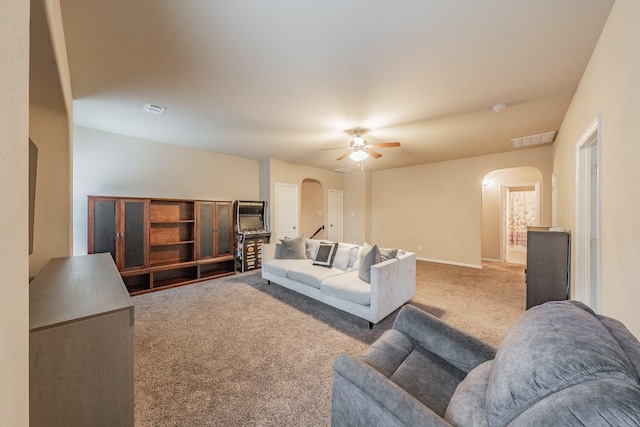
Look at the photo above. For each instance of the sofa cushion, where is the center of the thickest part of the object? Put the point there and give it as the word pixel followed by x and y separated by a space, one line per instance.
pixel 312 247
pixel 419 372
pixel 325 254
pixel 369 258
pixel 311 275
pixel 280 267
pixel 468 406
pixel 387 253
pixel 349 287
pixel 345 256
pixel 293 248
pixel 551 347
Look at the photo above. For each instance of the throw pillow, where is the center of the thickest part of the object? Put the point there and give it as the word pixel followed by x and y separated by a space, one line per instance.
pixel 361 250
pixel 386 253
pixel 368 259
pixel 325 254
pixel 293 248
pixel 344 255
pixel 312 247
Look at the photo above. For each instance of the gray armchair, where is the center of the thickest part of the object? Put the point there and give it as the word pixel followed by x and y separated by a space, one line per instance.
pixel 559 364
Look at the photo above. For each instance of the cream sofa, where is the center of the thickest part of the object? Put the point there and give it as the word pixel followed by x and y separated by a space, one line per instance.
pixel 392 282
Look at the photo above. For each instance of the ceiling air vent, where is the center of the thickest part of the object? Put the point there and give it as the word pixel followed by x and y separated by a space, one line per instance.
pixel 539 139
pixel 154 109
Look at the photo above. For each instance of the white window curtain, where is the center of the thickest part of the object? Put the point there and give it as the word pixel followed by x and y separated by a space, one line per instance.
pixel 522 213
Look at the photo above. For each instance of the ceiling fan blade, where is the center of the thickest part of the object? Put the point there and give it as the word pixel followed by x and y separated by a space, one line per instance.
pixel 385 145
pixel 372 153
pixel 344 155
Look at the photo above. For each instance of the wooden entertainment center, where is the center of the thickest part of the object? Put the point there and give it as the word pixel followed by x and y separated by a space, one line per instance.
pixel 162 243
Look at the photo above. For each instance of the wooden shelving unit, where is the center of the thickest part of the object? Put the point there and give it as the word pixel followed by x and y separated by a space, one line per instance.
pixel 162 243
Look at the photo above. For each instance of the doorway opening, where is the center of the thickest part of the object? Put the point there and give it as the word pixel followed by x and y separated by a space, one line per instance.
pixel 312 216
pixel 511 201
pixel 588 217
pixel 522 204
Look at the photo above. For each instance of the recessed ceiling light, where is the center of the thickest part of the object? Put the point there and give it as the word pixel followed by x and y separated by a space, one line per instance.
pixel 499 107
pixel 154 109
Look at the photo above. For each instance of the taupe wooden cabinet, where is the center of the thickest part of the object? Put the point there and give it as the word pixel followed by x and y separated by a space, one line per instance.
pixel 548 266
pixel 161 243
pixel 80 345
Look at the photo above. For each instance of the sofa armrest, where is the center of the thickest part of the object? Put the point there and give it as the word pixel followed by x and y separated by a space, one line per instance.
pixel 460 349
pixel 363 396
pixel 393 282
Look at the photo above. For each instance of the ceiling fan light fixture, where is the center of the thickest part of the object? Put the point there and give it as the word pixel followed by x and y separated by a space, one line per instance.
pixel 358 141
pixel 358 156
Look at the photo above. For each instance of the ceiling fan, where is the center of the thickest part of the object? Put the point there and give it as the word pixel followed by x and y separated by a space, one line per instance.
pixel 359 149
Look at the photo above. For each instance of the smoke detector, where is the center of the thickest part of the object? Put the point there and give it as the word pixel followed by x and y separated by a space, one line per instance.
pixel 153 109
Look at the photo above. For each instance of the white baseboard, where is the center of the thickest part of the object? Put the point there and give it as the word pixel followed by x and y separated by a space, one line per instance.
pixel 492 260
pixel 459 264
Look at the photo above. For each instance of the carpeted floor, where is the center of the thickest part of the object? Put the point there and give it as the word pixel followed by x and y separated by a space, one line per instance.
pixel 235 351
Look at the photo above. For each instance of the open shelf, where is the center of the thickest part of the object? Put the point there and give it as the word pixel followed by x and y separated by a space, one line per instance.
pixel 137 283
pixel 171 211
pixel 173 277
pixel 217 269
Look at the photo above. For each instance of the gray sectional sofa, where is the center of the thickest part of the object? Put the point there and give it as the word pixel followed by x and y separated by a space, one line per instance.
pixel 391 282
pixel 560 364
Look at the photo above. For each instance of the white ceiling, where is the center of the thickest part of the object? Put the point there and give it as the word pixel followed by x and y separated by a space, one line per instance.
pixel 285 78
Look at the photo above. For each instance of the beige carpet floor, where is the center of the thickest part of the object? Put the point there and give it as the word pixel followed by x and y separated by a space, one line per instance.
pixel 237 352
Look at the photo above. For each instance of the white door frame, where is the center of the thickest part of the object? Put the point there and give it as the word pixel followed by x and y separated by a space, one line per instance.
pixel 504 206
pixel 588 236
pixel 335 217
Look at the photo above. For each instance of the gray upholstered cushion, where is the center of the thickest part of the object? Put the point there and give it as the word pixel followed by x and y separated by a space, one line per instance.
pixel 552 347
pixel 369 258
pixel 387 253
pixel 293 248
pixel 280 267
pixel 468 406
pixel 312 275
pixel 419 372
pixel 312 247
pixel 349 287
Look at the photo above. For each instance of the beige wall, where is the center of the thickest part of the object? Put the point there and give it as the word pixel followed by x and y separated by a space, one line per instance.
pixel 50 107
pixel 438 206
pixel 106 164
pixel 14 250
pixel 357 206
pixel 610 88
pixel 492 205
pixel 293 173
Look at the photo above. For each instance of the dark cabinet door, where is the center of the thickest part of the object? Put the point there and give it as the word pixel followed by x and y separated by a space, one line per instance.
pixel 204 230
pixel 224 236
pixel 213 228
pixel 548 267
pixel 134 235
pixel 120 227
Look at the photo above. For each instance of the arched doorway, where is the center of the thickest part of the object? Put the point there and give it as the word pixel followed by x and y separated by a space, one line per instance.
pixel 511 201
pixel 312 215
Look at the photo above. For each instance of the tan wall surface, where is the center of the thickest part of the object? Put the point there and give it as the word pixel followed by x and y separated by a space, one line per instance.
pixel 312 215
pixel 439 205
pixel 106 164
pixel 49 128
pixel 14 250
pixel 609 87
pixel 357 195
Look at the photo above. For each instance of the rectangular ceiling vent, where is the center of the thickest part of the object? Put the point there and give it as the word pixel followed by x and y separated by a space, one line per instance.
pixel 539 139
pixel 154 109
